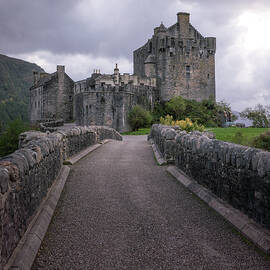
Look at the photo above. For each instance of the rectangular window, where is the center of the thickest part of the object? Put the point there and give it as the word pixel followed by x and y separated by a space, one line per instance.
pixel 188 72
pixel 173 42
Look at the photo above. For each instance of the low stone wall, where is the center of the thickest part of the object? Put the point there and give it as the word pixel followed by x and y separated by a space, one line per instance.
pixel 50 125
pixel 28 173
pixel 237 174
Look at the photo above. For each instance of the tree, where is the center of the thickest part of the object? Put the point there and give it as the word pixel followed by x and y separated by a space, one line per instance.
pixel 138 117
pixel 260 115
pixel 176 107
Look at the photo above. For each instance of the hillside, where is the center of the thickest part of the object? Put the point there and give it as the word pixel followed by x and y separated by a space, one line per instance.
pixel 16 76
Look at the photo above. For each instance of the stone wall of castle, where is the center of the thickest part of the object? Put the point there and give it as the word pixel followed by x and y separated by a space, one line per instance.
pixel 109 105
pixel 182 59
pixel 64 105
pixel 51 96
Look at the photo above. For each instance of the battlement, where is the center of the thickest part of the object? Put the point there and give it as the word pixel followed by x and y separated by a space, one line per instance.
pixel 103 82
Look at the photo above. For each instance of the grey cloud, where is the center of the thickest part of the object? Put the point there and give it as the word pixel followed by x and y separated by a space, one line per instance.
pixel 114 29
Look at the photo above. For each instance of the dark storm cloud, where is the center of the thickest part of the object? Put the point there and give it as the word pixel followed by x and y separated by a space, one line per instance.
pixel 113 29
pixel 107 28
pixel 62 26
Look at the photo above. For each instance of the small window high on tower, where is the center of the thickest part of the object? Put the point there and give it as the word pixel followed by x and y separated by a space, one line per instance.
pixel 188 72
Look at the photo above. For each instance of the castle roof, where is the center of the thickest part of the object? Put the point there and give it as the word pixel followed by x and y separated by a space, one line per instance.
pixel 44 80
pixel 105 77
pixel 162 28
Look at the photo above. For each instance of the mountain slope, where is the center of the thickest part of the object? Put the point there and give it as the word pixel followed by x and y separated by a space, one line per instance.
pixel 16 77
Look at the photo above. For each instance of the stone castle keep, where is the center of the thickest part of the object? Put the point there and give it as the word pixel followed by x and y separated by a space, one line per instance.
pixel 175 61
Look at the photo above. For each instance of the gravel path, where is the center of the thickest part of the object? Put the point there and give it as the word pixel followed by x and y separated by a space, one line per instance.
pixel 119 210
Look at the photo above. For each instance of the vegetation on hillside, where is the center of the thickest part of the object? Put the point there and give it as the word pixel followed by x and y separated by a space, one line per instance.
pixel 16 77
pixel 9 138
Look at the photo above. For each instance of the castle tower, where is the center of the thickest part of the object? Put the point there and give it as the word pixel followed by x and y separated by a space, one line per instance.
pixel 150 66
pixel 181 59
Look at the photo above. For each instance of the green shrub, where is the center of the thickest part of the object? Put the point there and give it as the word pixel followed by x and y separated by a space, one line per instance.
pixel 176 107
pixel 262 141
pixel 10 137
pixel 207 112
pixel 239 137
pixel 138 117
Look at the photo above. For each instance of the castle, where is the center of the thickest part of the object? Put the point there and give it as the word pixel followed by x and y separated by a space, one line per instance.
pixel 176 61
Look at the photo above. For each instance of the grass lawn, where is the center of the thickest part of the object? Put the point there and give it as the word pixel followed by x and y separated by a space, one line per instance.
pixel 228 134
pixel 223 134
pixel 141 131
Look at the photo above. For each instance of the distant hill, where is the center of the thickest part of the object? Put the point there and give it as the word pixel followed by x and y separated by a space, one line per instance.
pixel 16 77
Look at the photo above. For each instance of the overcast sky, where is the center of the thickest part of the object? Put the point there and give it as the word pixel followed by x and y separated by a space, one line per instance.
pixel 85 34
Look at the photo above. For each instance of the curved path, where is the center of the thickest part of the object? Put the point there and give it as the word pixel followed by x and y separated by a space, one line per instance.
pixel 119 210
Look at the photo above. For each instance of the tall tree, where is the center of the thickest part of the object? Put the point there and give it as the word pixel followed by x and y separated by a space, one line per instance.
pixel 260 115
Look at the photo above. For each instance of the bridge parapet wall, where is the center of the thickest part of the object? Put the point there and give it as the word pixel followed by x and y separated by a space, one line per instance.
pixel 239 175
pixel 27 174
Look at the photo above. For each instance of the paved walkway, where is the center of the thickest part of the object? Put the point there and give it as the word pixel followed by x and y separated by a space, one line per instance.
pixel 119 210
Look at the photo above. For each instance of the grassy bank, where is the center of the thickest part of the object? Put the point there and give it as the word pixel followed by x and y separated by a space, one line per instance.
pixel 230 134
pixel 140 131
pixel 223 134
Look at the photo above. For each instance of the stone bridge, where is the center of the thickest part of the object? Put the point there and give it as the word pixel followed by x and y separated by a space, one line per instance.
pixel 118 209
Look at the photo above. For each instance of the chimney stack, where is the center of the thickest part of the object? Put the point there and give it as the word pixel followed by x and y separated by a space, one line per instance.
pixel 35 77
pixel 183 21
pixel 60 69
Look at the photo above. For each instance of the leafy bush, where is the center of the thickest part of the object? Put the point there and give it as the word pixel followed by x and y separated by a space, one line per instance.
pixel 262 141
pixel 207 112
pixel 239 137
pixel 176 107
pixel 186 124
pixel 168 120
pixel 138 117
pixel 10 137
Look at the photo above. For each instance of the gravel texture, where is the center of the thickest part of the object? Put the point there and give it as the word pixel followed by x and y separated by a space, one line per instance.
pixel 119 210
